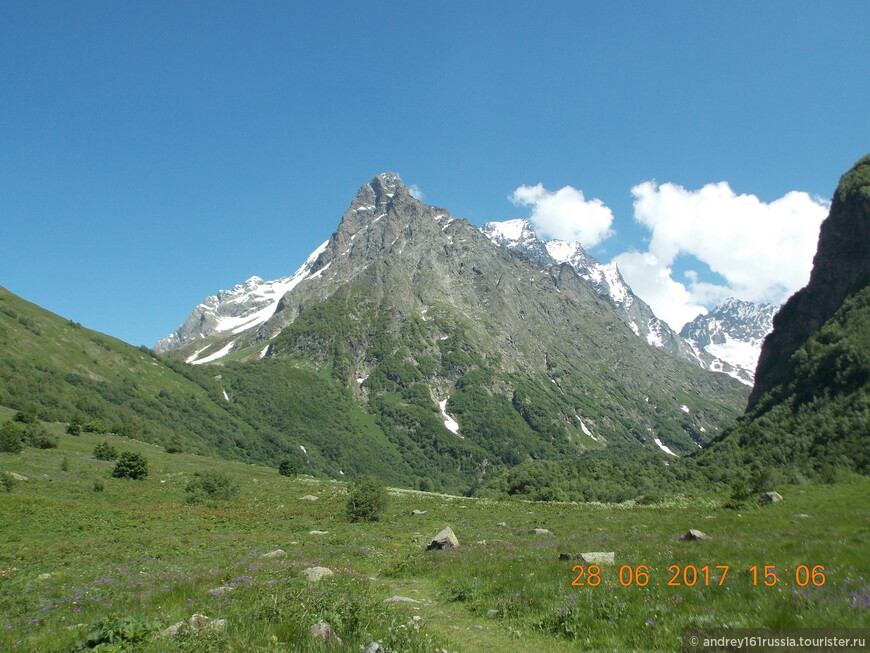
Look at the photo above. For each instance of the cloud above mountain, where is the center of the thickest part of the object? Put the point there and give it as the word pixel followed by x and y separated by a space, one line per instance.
pixel 762 250
pixel 565 214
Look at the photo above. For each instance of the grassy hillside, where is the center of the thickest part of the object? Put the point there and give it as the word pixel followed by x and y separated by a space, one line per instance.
pixel 136 557
pixel 816 423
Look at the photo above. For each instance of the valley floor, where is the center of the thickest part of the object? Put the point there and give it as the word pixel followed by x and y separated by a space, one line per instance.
pixel 126 562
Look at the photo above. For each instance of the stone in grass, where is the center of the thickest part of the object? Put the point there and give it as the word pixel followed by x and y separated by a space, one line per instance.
pixel 540 531
pixel 770 497
pixel 694 534
pixel 445 539
pixel 317 573
pixel 401 599
pixel 323 631
pixel 502 524
pixel 196 623
pixel 801 515
pixel 591 557
pixel 277 553
pixel 374 647
pixel 223 589
pixel 308 497
pixel 17 477
pixel 418 512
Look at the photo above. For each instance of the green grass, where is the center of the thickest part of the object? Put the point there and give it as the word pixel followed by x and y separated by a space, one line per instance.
pixel 138 550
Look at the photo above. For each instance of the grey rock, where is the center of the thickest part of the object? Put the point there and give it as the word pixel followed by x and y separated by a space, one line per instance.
pixel 770 497
pixel 801 515
pixel 540 531
pixel 308 497
pixel 445 539
pixel 502 524
pixel 316 574
pixel 17 477
pixel 277 553
pixel 318 532
pixel 492 613
pixel 323 630
pixel 374 647
pixel 418 512
pixel 401 599
pixel 694 534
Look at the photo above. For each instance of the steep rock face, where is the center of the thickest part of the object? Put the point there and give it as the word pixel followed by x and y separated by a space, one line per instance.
pixel 606 280
pixel 841 266
pixel 733 331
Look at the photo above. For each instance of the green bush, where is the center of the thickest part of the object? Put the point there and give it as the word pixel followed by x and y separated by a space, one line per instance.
pixel 11 438
pixel 287 467
pixel 175 445
pixel 25 418
pixel 74 428
pixel 38 436
pixel 98 486
pixel 8 482
pixel 366 499
pixel 211 486
pixel 105 451
pixel 740 494
pixel 131 465
pixel 95 426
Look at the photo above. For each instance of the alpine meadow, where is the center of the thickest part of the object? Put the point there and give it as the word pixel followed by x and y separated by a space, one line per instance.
pixel 435 437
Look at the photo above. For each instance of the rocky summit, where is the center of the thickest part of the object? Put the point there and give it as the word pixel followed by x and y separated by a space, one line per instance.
pixel 466 355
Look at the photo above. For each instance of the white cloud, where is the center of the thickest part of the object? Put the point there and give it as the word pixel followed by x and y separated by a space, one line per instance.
pixel 764 251
pixel 415 191
pixel 565 214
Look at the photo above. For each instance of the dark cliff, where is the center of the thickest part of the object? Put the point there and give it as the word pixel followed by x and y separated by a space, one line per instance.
pixel 841 267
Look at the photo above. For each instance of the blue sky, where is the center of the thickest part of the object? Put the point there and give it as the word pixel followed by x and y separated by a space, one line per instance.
pixel 152 153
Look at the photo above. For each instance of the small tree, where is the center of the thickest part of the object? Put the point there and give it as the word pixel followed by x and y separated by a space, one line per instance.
pixel 105 451
pixel 11 437
pixel 287 467
pixel 38 436
pixel 175 445
pixel 95 426
pixel 131 465
pixel 366 499
pixel 214 486
pixel 25 418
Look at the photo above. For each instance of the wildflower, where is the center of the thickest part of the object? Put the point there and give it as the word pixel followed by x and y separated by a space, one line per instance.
pixel 650 622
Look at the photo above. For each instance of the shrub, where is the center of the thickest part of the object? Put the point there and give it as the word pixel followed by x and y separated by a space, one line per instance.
pixel 95 426
pixel 74 428
pixel 8 482
pixel 38 436
pixel 105 451
pixel 175 445
pixel 11 437
pixel 211 486
pixel 131 465
pixel 98 486
pixel 366 499
pixel 25 418
pixel 740 494
pixel 64 464
pixel 287 467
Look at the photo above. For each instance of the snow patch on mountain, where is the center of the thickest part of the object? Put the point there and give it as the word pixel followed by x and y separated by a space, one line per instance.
pixel 223 351
pixel 451 424
pixel 244 306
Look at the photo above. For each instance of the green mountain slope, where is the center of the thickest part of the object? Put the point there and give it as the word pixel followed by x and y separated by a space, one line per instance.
pixel 61 371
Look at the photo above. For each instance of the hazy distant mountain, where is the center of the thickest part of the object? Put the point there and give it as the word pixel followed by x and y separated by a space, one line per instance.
pixel 606 280
pixel 733 331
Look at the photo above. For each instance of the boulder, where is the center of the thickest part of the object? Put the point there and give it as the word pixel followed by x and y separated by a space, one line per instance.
pixel 401 599
pixel 374 647
pixel 445 539
pixel 770 497
pixel 277 553
pixel 196 623
pixel 502 524
pixel 318 532
pixel 694 534
pixel 590 558
pixel 308 497
pixel 317 573
pixel 322 630
pixel 418 512
pixel 17 477
pixel 540 531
